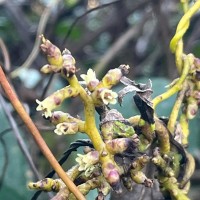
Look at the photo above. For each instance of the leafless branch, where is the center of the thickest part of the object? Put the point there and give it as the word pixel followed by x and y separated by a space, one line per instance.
pixel 118 45
pixel 5 55
pixel 19 138
pixel 5 165
pixel 41 27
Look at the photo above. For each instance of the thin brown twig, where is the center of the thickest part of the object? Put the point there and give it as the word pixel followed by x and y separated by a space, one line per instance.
pixel 5 55
pixel 164 29
pixel 119 45
pixel 37 136
pixel 19 138
pixel 5 165
pixel 19 21
pixel 41 27
pixel 83 15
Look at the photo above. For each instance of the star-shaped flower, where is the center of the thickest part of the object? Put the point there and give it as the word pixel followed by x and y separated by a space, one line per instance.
pixel 90 79
pixel 108 96
pixel 87 162
pixel 41 107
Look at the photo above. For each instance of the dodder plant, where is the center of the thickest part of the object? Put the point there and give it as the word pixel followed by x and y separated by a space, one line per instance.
pixel 141 140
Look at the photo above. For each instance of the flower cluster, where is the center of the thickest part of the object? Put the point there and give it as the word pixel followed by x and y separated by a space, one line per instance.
pixel 87 162
pixel 118 138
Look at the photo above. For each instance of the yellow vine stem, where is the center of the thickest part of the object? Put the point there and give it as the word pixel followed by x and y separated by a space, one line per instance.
pixel 174 113
pixel 178 85
pixel 179 47
pixel 160 129
pixel 36 134
pixel 183 25
pixel 185 128
pixel 185 5
pixel 176 44
pixel 178 55
pixel 90 124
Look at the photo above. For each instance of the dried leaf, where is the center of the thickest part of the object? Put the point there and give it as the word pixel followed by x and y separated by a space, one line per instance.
pixel 142 97
pixel 145 108
pixel 144 90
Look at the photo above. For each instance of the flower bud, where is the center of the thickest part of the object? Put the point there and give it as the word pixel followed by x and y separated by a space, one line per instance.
pixel 66 128
pixel 55 100
pixel 111 174
pixel 46 184
pixel 192 108
pixel 140 178
pixel 113 76
pixel 121 145
pixel 87 149
pixel 46 69
pixel 59 117
pixel 69 68
pixel 50 68
pixel 53 53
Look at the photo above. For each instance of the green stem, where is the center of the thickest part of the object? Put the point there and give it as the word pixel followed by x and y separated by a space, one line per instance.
pixel 89 112
pixel 178 86
pixel 174 113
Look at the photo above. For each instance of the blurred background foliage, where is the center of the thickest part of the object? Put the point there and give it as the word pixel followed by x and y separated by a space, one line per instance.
pixel 101 34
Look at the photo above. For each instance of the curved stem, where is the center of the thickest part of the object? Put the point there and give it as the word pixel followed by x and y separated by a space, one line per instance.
pixel 174 113
pixel 178 86
pixel 183 25
pixel 161 131
pixel 38 138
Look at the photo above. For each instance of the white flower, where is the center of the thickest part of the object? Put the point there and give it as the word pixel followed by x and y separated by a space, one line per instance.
pixel 90 79
pixel 41 107
pixel 91 76
pixel 87 162
pixel 108 96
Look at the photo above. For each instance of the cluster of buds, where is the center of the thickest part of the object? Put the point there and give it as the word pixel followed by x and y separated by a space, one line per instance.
pixel 137 175
pixel 101 92
pixel 117 137
pixel 66 124
pixel 123 137
pixel 191 107
pixel 47 185
pixel 64 63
